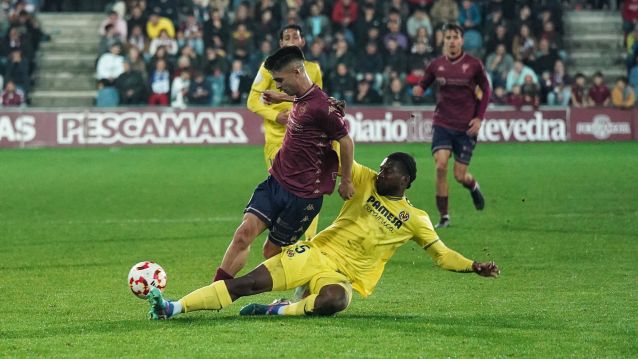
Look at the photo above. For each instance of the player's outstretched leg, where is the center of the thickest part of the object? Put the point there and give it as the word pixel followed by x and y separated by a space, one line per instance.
pixel 468 181
pixel 264 309
pixel 160 307
pixel 330 300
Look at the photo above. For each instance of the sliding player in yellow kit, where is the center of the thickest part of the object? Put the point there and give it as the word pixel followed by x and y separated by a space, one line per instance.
pixel 275 113
pixel 349 254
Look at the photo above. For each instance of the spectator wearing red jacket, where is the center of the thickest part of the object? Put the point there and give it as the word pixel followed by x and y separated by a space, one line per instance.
pixel 12 96
pixel 345 12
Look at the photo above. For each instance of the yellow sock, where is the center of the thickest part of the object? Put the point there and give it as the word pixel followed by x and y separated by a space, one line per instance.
pixel 302 307
pixel 212 297
pixel 312 228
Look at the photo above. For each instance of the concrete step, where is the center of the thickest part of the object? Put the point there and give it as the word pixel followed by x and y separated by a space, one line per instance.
pixel 85 83
pixel 595 58
pixel 62 98
pixel 67 62
pixel 595 42
pixel 591 16
pixel 71 45
pixel 71 19
pixel 609 27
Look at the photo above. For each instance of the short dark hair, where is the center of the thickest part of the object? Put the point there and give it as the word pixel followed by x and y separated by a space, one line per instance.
pixel 408 162
pixel 282 57
pixel 453 27
pixel 290 26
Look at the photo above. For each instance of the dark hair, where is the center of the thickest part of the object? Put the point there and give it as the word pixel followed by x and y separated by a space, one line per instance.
pixel 290 26
pixel 623 79
pixel 598 74
pixel 282 57
pixel 453 27
pixel 408 162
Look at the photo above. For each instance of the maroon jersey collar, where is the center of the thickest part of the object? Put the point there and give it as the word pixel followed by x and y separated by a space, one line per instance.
pixel 299 98
pixel 455 60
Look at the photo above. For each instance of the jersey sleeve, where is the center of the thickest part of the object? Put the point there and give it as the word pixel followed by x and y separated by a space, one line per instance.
pixel 360 173
pixel 423 231
pixel 260 84
pixel 315 74
pixel 333 123
pixel 447 258
pixel 484 85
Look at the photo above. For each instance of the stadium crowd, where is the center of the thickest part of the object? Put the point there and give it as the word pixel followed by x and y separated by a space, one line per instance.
pixel 20 37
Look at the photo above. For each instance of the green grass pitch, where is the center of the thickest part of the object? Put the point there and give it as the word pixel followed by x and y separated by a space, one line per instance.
pixel 561 220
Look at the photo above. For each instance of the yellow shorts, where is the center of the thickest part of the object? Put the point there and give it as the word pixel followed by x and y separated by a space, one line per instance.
pixel 302 264
pixel 270 150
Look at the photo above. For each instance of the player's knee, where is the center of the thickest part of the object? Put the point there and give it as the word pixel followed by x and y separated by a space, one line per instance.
pixel 331 300
pixel 441 168
pixel 459 176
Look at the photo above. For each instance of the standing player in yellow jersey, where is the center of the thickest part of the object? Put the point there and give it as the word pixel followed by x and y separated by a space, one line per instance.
pixel 349 254
pixel 275 114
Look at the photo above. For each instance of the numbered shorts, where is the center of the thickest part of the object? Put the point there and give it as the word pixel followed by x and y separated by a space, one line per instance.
pixel 286 215
pixel 458 142
pixel 302 264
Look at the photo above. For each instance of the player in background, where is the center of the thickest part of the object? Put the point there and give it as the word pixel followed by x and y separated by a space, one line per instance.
pixel 457 117
pixel 275 113
pixel 303 170
pixel 349 254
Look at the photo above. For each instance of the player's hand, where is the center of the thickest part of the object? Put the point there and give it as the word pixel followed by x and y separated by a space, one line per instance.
pixel 282 117
pixel 475 126
pixel 486 269
pixel 337 105
pixel 346 189
pixel 271 97
pixel 417 91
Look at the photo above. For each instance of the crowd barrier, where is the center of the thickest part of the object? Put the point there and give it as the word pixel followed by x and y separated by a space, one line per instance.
pixel 29 128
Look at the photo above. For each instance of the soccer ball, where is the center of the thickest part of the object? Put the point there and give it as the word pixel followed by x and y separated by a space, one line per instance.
pixel 145 275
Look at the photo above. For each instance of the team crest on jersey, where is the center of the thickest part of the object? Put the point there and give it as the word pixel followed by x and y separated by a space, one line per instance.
pixel 441 68
pixel 300 109
pixel 290 253
pixel 465 67
pixel 404 216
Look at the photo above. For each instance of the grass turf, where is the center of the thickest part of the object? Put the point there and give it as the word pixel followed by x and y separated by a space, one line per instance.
pixel 561 221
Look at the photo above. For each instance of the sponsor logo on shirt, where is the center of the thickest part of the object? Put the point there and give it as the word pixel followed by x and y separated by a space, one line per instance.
pixel 383 215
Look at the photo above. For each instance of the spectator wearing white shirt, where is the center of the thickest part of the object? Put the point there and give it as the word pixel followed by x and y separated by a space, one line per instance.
pixel 119 25
pixel 160 84
pixel 166 41
pixel 110 65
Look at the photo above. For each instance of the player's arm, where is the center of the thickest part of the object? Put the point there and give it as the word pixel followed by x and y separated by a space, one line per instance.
pixel 451 260
pixel 261 83
pixel 425 82
pixel 484 84
pixel 346 152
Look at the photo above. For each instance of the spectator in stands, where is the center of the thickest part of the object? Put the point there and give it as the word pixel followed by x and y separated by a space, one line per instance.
pixel 545 58
pixel 131 86
pixel 578 98
pixel 195 61
pixel 345 13
pixel 444 11
pixel 623 96
pixel 369 65
pixel 342 83
pixel 469 16
pixel 515 98
pixel 318 24
pixel 160 54
pixel 498 64
pixel 394 33
pixel 138 40
pixel 215 63
pixel 341 54
pixel 395 94
pixel 107 39
pixel 241 42
pixel 179 89
pixel 398 7
pixel 552 36
pixel 192 34
pixel 317 54
pixel 524 44
pixel 137 18
pixel 273 6
pixel 166 8
pixel 524 18
pixel 216 25
pixel 419 19
pixel 395 61
pixel 119 26
pixel 493 21
pixel 530 91
pixel 517 75
pixel 629 15
pixel 16 41
pixel 242 15
pixel 136 62
pixel 17 71
pixel 414 78
pixel 107 95
pixel 12 96
pixel 501 36
pixel 420 55
pixel 164 40
pixel 369 19
pixel 499 96
pixel 160 83
pixel 156 24
pixel 366 95
pixel 110 64
pixel 237 83
pixel 599 94
pixel 199 90
pixel 265 27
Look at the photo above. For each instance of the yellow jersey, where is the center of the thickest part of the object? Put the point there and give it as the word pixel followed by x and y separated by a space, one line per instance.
pixel 273 130
pixel 370 228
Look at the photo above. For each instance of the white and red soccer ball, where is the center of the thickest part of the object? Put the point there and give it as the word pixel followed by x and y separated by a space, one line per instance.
pixel 144 276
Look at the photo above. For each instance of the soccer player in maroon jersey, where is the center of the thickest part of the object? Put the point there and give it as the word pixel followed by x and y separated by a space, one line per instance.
pixel 457 117
pixel 304 169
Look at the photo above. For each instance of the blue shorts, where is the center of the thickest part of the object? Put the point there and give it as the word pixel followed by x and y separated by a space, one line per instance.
pixel 459 142
pixel 287 215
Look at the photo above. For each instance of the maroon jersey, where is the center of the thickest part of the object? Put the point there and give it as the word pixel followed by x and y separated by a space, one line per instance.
pixel 306 164
pixel 457 103
pixel 599 94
